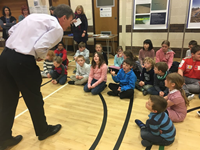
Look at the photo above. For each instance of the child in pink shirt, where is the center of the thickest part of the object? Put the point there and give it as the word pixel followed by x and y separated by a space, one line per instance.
pixel 98 75
pixel 176 99
pixel 164 54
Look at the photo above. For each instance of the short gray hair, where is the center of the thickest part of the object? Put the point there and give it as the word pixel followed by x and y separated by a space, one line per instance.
pixel 62 10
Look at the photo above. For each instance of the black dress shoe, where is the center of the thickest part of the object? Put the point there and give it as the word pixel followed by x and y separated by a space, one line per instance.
pixel 51 131
pixel 10 142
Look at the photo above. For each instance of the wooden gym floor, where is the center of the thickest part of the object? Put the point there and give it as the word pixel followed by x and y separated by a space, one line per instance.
pixel 89 122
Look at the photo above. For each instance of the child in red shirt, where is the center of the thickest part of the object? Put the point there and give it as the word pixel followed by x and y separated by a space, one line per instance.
pixel 189 68
pixel 61 51
pixel 58 72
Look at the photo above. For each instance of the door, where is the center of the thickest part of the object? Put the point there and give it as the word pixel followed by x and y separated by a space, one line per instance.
pixel 106 23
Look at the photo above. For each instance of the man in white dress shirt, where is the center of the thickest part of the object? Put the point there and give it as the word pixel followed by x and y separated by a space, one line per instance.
pixel 29 41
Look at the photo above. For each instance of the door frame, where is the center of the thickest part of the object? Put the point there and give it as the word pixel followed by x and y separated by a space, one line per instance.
pixel 117 21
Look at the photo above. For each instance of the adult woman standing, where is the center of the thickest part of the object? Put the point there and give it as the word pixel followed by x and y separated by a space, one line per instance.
pixel 25 12
pixel 7 21
pixel 80 31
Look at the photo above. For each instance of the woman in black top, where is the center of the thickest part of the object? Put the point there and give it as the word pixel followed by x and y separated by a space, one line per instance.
pixel 80 32
pixel 6 21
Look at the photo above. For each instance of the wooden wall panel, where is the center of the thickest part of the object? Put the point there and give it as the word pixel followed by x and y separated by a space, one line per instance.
pixel 14 5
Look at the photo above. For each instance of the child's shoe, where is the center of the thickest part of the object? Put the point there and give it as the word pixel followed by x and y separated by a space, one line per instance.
pixel 144 92
pixel 111 93
pixel 74 72
pixel 71 82
pixel 198 112
pixel 140 123
pixel 190 96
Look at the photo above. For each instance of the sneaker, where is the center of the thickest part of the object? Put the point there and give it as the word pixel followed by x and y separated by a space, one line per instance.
pixel 144 92
pixel 146 143
pixel 10 142
pixel 111 93
pixel 190 96
pixel 71 82
pixel 139 123
pixel 74 72
pixel 198 112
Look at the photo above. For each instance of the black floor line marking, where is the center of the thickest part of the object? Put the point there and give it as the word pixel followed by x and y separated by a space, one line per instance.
pixel 123 131
pixel 103 125
pixel 40 86
pixel 192 109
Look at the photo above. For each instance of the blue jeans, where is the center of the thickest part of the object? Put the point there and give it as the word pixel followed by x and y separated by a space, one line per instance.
pixel 98 89
pixel 153 91
pixel 55 75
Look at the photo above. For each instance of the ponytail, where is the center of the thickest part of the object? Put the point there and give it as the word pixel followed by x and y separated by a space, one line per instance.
pixel 184 96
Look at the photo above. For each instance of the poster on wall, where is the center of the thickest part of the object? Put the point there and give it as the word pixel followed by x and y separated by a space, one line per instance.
pixel 39 6
pixel 105 11
pixel 193 21
pixel 150 14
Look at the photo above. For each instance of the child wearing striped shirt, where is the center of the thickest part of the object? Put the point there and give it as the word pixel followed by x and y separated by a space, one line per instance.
pixel 159 129
pixel 48 64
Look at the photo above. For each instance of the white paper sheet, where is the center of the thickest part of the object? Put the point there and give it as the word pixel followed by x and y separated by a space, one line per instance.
pixel 78 22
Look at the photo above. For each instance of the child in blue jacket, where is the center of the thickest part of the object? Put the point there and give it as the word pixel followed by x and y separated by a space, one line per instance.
pixel 126 79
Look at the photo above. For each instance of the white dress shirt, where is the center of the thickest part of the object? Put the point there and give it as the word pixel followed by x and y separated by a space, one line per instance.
pixel 34 35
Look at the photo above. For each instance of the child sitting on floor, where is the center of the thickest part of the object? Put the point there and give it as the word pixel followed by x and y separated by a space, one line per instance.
pixel 48 64
pixel 58 72
pixel 177 101
pixel 147 76
pixel 192 43
pixel 83 51
pixel 98 48
pixel 126 79
pixel 118 60
pixel 61 51
pixel 98 75
pixel 159 129
pixel 146 51
pixel 160 73
pixel 82 72
pixel 137 68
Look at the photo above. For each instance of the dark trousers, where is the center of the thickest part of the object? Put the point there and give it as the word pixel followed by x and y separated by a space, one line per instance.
pixel 125 94
pixel 154 139
pixel 98 89
pixel 19 73
pixel 153 91
pixel 55 75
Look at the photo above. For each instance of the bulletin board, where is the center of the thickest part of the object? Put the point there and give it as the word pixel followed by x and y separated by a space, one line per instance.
pixel 150 14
